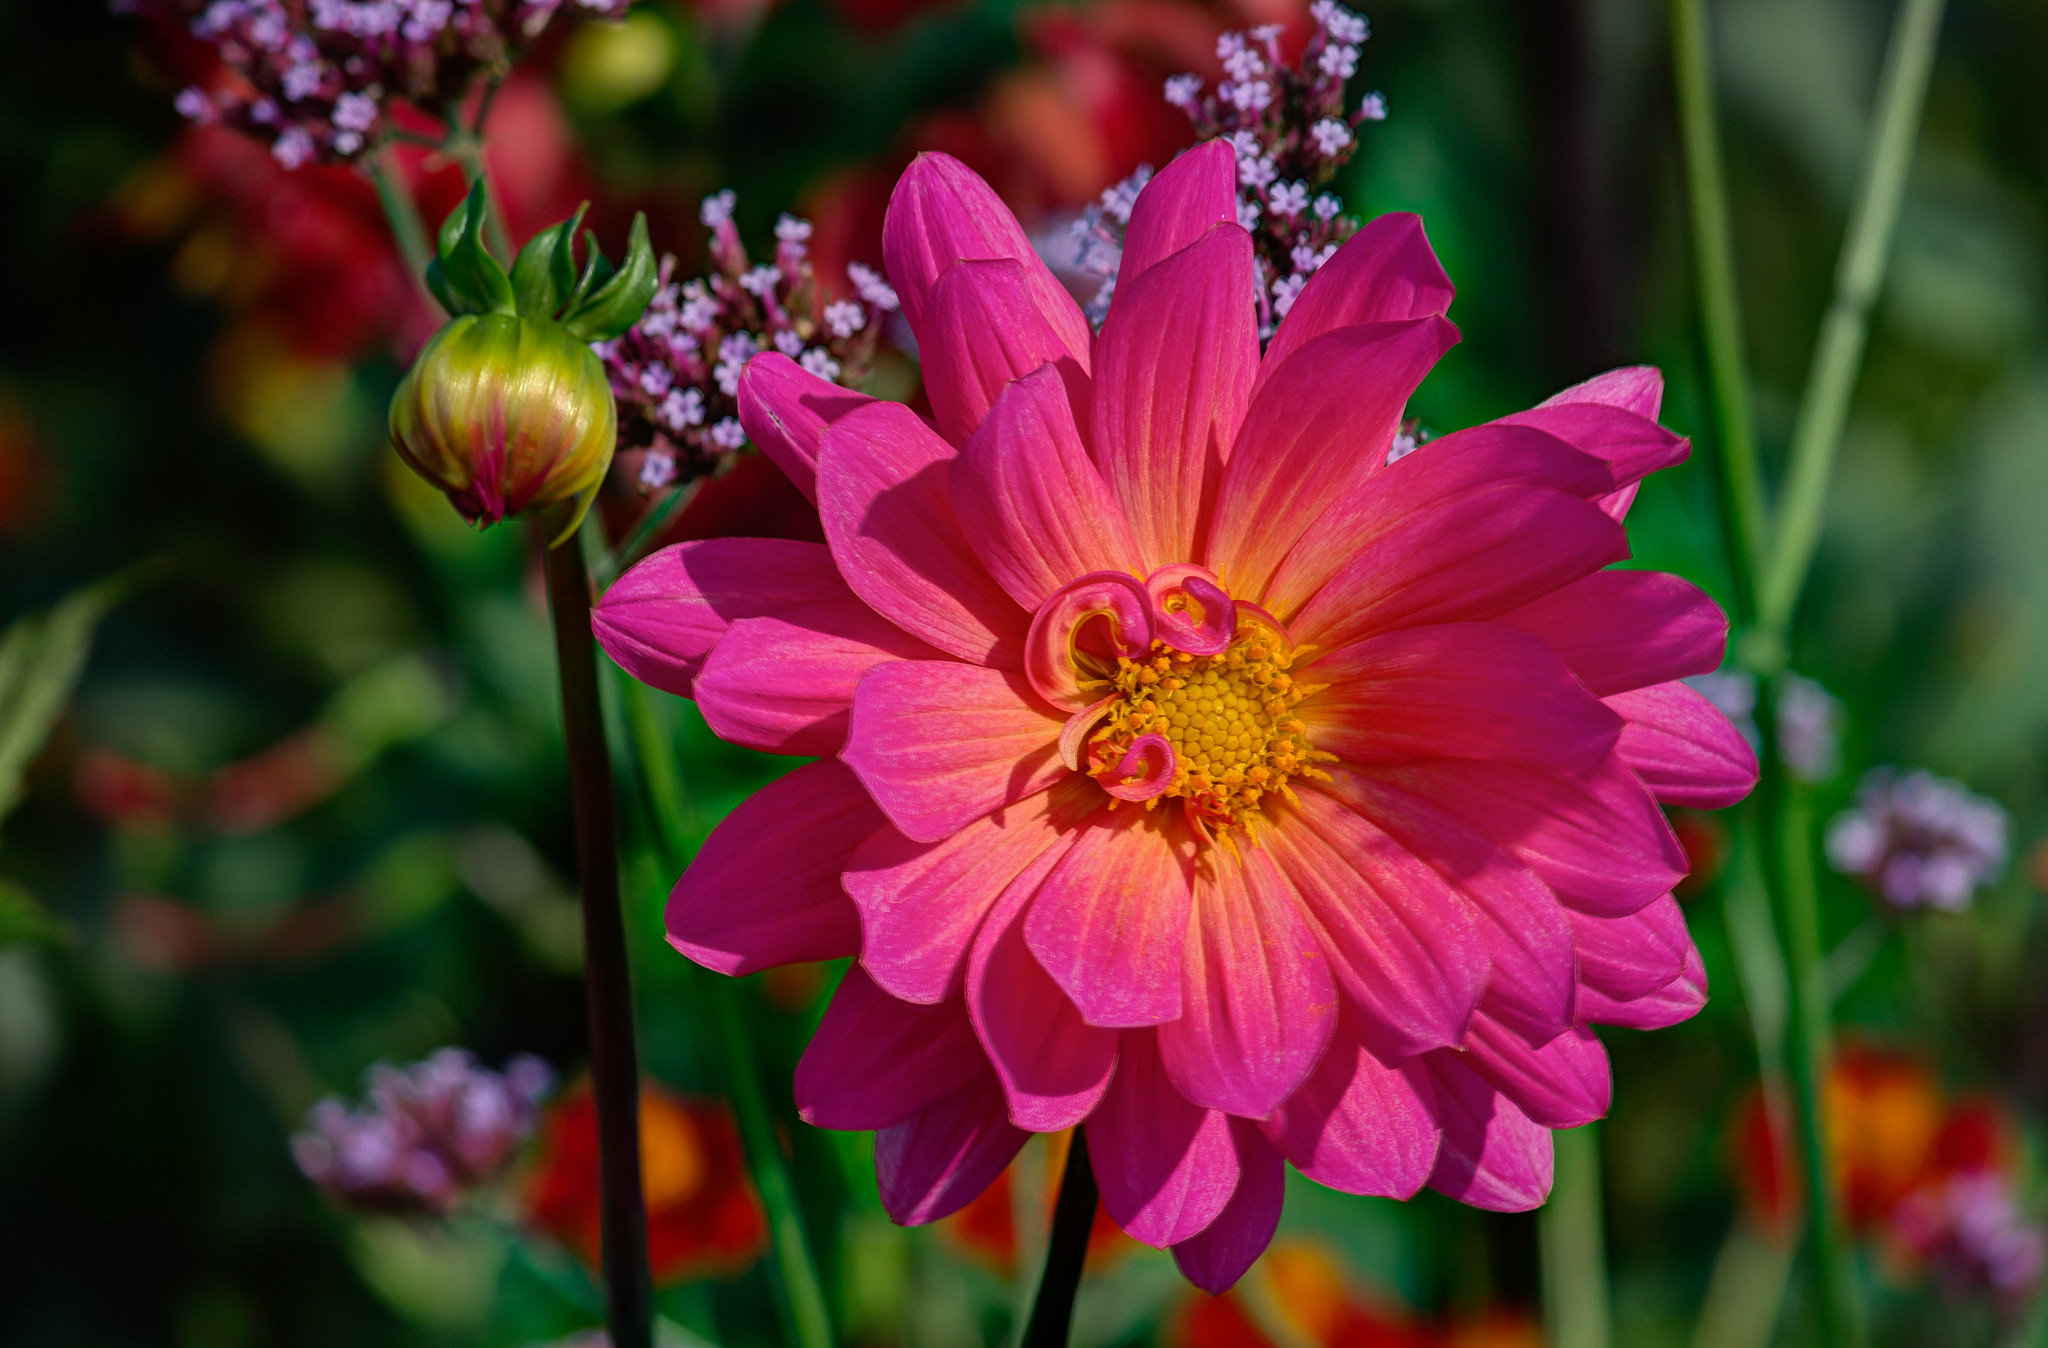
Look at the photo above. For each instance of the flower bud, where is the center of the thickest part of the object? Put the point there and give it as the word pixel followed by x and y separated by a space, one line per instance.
pixel 507 409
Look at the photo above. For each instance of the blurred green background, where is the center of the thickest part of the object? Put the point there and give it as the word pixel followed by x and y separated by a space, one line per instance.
pixel 306 812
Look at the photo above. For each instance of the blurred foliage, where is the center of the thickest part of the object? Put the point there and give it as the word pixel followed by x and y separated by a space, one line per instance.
pixel 306 811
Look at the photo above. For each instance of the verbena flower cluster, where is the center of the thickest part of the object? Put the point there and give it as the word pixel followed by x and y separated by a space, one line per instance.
pixel 676 373
pixel 1919 841
pixel 1969 1227
pixel 1291 132
pixel 427 1134
pixel 316 77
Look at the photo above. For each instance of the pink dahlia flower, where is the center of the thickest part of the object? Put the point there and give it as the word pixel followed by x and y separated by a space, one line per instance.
pixel 1185 769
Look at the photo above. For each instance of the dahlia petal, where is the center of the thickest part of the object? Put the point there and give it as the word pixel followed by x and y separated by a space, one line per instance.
pixel 784 685
pixel 874 1060
pixel 1168 408
pixel 921 903
pixel 941 213
pixel 1319 424
pixel 1384 273
pixel 1110 920
pixel 1635 388
pixel 1108 613
pixel 1359 1126
pixel 1458 690
pixel 1440 482
pixel 936 1161
pixel 1216 1257
pixel 1166 1168
pixel 983 329
pixel 1182 589
pixel 882 497
pixel 1599 841
pixel 1619 630
pixel 764 889
pixel 1678 1000
pixel 1184 200
pixel 1054 1066
pixel 1493 1155
pixel 1623 958
pixel 940 744
pixel 660 621
pixel 1404 945
pixel 1030 499
pixel 1634 445
pixel 1532 982
pixel 1447 566
pixel 1683 748
pixel 1257 1001
pixel 785 409
pixel 1563 1084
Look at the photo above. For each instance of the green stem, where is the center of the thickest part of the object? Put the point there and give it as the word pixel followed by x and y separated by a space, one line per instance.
pixel 1052 1314
pixel 801 1303
pixel 1859 276
pixel 1573 1245
pixel 465 145
pixel 1741 487
pixel 404 218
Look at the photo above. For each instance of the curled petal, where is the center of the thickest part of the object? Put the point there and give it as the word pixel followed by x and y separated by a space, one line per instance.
pixel 1075 733
pixel 1146 770
pixel 1066 626
pixel 1182 591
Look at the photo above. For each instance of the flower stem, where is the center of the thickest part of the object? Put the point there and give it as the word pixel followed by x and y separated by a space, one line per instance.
pixel 1573 1246
pixel 1859 276
pixel 801 1294
pixel 1052 1315
pixel 607 978
pixel 404 218
pixel 1742 497
pixel 465 145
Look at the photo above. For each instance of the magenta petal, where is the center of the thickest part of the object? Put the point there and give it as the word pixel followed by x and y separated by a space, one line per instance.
pixel 875 1061
pixel 660 621
pixel 982 330
pixel 1403 943
pixel 1030 499
pixel 1183 202
pixel 1165 1167
pixel 1173 374
pixel 1321 423
pixel 784 685
pixel 785 409
pixel 1563 1084
pixel 764 889
pixel 1384 273
pixel 1185 589
pixel 882 497
pixel 1458 690
pixel 1624 958
pixel 1257 1001
pixel 1599 841
pixel 1054 1066
pixel 1107 613
pixel 942 213
pixel 1619 630
pixel 940 744
pixel 1532 983
pixel 1493 1155
pixel 1109 922
pixel 1678 1000
pixel 1217 1256
pixel 921 903
pixel 1358 1126
pixel 1683 748
pixel 936 1161
pixel 1634 388
pixel 1634 445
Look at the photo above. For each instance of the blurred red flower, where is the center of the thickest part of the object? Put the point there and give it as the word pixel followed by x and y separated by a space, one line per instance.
pixel 987 1228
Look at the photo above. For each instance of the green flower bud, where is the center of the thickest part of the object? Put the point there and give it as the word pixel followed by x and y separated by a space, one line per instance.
pixel 507 409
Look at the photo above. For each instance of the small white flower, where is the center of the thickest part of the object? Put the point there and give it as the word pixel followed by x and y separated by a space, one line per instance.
pixel 658 469
pixel 1256 172
pixel 355 112
pixel 1373 107
pixel 1338 62
pixel 292 148
pixel 1247 145
pixel 738 348
pixel 699 309
pixel 872 287
pixel 347 142
pixel 792 229
pixel 1248 95
pixel 727 375
pixel 788 343
pixel 1340 23
pixel 820 363
pixel 656 380
pixel 193 105
pixel 1288 199
pixel 1248 213
pixel 1285 291
pixel 301 80
pixel 1183 90
pixel 682 408
pixel 728 434
pixel 760 281
pixel 717 208
pixel 1330 136
pixel 1326 207
pixel 845 318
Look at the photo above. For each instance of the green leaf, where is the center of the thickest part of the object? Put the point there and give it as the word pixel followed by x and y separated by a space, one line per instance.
pixel 41 656
pixel 596 271
pixel 23 920
pixel 619 303
pixel 545 271
pixel 437 285
pixel 467 267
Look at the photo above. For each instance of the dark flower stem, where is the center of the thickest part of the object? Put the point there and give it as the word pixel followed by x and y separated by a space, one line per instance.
pixel 607 979
pixel 1052 1314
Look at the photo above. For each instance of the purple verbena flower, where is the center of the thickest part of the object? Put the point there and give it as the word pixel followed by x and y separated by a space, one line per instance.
pixel 1969 1227
pixel 1919 841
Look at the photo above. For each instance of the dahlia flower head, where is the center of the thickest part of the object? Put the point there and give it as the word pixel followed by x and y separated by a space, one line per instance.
pixel 1185 771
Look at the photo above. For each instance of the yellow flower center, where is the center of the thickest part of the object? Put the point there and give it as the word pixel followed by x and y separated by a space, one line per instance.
pixel 1229 717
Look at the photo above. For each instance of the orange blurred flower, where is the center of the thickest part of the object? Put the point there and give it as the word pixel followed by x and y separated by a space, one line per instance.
pixel 1301 1285
pixel 703 1217
pixel 987 1228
